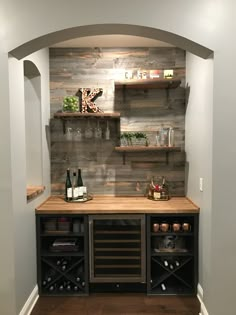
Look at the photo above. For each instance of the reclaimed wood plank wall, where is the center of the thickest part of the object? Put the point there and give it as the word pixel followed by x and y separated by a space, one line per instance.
pixel 103 170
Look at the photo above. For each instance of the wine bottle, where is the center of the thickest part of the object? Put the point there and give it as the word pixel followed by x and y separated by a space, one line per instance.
pixel 68 286
pixel 163 287
pixel 51 273
pixel 164 188
pixel 171 267
pixel 166 264
pixel 177 263
pixel 61 287
pixel 52 287
pixel 79 273
pixel 80 185
pixel 75 188
pixel 68 186
pixel 75 288
pixel 64 265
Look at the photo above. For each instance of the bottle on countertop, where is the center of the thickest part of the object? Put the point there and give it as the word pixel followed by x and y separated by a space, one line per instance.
pixel 80 185
pixel 164 189
pixel 75 188
pixel 68 186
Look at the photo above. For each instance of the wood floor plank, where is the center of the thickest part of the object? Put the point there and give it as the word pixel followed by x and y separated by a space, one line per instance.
pixel 117 304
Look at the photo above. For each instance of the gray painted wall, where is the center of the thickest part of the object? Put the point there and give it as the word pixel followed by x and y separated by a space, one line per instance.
pixel 7 283
pixel 198 146
pixel 23 224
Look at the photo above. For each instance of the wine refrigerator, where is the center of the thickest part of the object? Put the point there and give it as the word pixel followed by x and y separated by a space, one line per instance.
pixel 117 248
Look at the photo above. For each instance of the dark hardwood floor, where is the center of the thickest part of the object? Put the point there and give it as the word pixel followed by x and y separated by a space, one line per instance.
pixel 117 304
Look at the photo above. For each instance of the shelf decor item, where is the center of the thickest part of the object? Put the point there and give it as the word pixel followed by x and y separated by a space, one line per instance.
pixel 157 191
pixel 70 104
pixel 134 139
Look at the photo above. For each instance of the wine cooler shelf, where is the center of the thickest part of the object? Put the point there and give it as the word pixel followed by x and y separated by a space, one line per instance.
pixel 77 253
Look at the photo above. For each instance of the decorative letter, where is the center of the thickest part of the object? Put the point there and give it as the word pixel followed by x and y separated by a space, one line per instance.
pixel 87 100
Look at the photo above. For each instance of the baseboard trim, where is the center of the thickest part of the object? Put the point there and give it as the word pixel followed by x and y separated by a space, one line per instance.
pixel 200 298
pixel 29 304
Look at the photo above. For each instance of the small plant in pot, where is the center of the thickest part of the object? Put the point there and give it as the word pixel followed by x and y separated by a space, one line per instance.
pixel 126 138
pixel 140 138
pixel 70 104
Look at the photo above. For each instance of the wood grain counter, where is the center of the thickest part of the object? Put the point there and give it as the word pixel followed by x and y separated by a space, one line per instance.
pixel 111 204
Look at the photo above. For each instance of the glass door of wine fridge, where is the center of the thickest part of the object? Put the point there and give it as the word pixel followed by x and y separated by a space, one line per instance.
pixel 117 248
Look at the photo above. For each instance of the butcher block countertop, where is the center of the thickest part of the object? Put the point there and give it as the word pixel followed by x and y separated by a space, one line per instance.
pixel 111 204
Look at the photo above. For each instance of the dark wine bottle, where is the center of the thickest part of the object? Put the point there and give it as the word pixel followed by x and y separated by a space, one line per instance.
pixel 68 186
pixel 61 287
pixel 64 264
pixel 68 286
pixel 52 287
pixel 51 273
pixel 80 185
pixel 75 188
pixel 79 274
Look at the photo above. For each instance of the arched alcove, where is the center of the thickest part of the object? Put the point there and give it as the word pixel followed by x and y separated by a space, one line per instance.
pixel 33 125
pixel 106 29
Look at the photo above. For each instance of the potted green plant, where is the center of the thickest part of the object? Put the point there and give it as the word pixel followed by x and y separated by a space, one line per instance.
pixel 126 138
pixel 140 138
pixel 70 104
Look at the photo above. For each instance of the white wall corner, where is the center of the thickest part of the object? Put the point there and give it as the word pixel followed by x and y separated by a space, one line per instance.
pixel 200 297
pixel 29 304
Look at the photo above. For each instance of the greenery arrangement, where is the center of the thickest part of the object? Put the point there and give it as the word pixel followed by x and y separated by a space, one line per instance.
pixel 130 138
pixel 70 104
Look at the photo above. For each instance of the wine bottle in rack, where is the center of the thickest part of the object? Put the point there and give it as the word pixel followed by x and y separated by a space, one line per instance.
pixel 163 287
pixel 51 273
pixel 68 286
pixel 171 267
pixel 75 288
pixel 79 274
pixel 68 186
pixel 64 264
pixel 177 263
pixel 61 287
pixel 165 262
pixel 52 287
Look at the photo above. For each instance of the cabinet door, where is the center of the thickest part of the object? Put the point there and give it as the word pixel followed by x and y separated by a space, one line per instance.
pixel 172 254
pixel 62 254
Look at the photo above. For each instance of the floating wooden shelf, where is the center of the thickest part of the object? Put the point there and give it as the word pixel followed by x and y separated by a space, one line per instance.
pixel 148 84
pixel 69 115
pixel 34 191
pixel 145 148
pixel 130 149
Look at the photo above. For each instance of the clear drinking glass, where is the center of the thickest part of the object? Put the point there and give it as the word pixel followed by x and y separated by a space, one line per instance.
pixel 88 133
pixel 78 134
pixel 98 131
pixel 69 134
